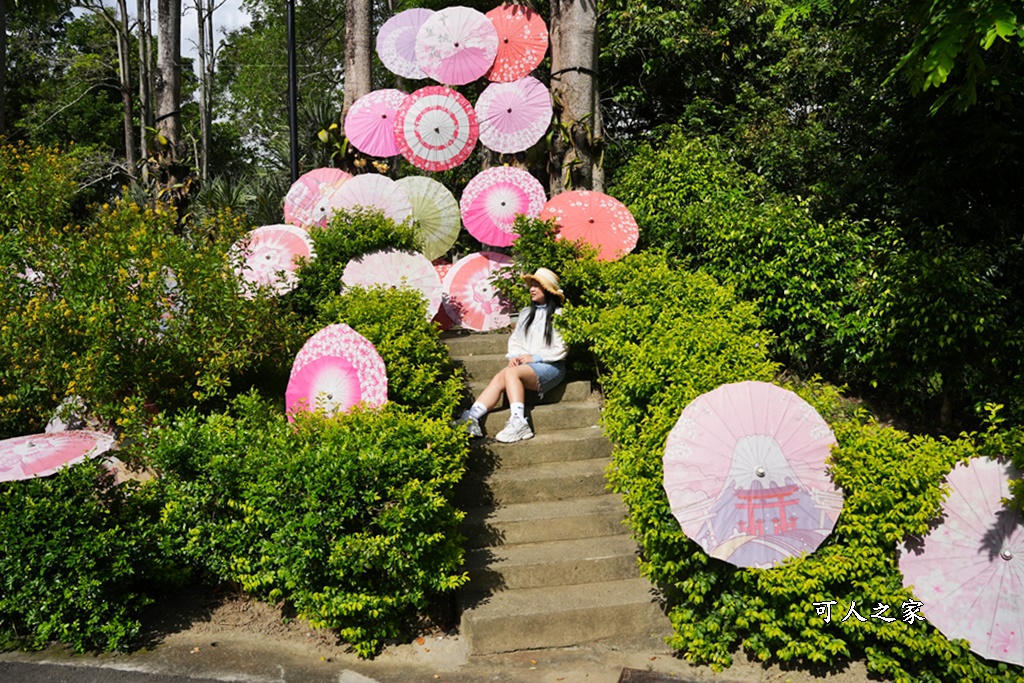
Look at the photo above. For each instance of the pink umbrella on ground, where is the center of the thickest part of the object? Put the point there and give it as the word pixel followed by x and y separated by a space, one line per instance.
pixel 456 45
pixel 374 192
pixel 493 199
pixel 522 42
pixel 436 128
pixel 442 267
pixel 268 257
pixel 596 218
pixel 336 369
pixel 473 302
pixel 745 474
pixel 370 123
pixel 394 268
pixel 396 42
pixel 305 203
pixel 969 569
pixel 513 116
pixel 40 455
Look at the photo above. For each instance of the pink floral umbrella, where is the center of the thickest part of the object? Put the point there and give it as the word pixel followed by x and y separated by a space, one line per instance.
pixel 394 268
pixel 596 218
pixel 472 300
pixel 456 45
pixel 513 116
pixel 442 267
pixel 436 128
pixel 305 204
pixel 336 369
pixel 40 455
pixel 267 257
pixel 969 570
pixel 522 42
pixel 493 199
pixel 370 123
pixel 375 192
pixel 396 42
pixel 745 474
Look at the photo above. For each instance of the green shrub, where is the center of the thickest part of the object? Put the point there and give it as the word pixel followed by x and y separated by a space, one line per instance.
pixel 38 184
pixel 350 519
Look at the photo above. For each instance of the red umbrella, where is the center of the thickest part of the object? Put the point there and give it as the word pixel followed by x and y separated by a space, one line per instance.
pixel 305 203
pixel 40 455
pixel 513 116
pixel 396 42
pixel 522 42
pixel 599 220
pixel 456 45
pixel 370 123
pixel 493 199
pixel 473 302
pixel 436 128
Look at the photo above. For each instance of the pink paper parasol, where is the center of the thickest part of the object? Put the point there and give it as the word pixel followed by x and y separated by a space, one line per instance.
pixel 456 45
pixel 396 42
pixel 513 116
pixel 336 369
pixel 375 192
pixel 969 570
pixel 268 255
pixel 522 42
pixel 599 220
pixel 394 268
pixel 442 267
pixel 370 123
pixel 493 199
pixel 305 203
pixel 745 474
pixel 472 301
pixel 436 128
pixel 40 455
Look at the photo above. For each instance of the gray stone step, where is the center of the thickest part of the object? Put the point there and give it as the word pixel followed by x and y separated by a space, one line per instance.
pixel 563 616
pixel 536 483
pixel 547 417
pixel 587 517
pixel 552 563
pixel 481 367
pixel 472 344
pixel 557 446
pixel 569 391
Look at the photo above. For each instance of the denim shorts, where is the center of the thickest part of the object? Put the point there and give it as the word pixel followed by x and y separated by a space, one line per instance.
pixel 549 375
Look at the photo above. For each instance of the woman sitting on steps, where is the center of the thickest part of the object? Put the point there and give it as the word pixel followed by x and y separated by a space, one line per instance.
pixel 536 361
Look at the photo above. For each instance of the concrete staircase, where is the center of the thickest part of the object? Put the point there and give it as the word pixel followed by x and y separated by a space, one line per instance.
pixel 550 562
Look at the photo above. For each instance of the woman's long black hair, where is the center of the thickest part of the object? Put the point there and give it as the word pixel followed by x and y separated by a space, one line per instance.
pixel 548 328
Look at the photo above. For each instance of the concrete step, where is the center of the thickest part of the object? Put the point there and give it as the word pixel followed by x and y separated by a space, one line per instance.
pixel 569 391
pixel 552 563
pixel 547 417
pixel 563 616
pixel 462 344
pixel 487 455
pixel 535 483
pixel 588 517
pixel 481 367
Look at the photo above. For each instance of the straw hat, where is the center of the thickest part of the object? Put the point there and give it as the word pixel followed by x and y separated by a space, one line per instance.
pixel 546 280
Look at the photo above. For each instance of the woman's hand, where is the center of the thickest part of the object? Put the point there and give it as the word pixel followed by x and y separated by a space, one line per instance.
pixel 520 360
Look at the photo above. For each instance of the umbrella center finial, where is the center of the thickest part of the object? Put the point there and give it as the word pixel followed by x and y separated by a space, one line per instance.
pixel 456 44
pixel 1006 554
pixel 510 110
pixel 591 220
pixel 760 472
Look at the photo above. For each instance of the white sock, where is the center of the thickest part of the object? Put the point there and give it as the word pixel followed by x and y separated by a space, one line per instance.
pixel 477 410
pixel 517 410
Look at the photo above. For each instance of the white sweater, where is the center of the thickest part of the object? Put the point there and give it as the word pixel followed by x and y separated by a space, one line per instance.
pixel 531 341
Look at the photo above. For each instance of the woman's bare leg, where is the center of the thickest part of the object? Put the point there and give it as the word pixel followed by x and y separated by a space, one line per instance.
pixel 517 380
pixel 492 394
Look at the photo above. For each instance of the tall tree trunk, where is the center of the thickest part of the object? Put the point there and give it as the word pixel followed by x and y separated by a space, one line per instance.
pixel 168 74
pixel 575 161
pixel 145 83
pixel 204 90
pixel 358 52
pixel 126 89
pixel 3 65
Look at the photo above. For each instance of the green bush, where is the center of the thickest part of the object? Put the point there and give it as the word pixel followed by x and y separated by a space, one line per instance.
pixel 350 519
pixel 39 184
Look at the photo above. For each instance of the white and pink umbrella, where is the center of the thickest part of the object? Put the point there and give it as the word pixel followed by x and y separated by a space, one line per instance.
pixel 268 257
pixel 442 267
pixel 394 268
pixel 370 123
pixel 336 369
pixel 40 455
pixel 522 42
pixel 305 204
pixel 435 214
pixel 396 42
pixel 472 300
pixel 513 116
pixel 436 128
pixel 374 192
pixel 456 45
pixel 493 199
pixel 596 218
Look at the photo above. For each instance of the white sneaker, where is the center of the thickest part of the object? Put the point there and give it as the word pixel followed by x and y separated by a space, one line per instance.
pixel 516 429
pixel 471 424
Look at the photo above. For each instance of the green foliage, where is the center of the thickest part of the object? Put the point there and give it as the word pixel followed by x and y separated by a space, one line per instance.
pixel 38 184
pixel 350 519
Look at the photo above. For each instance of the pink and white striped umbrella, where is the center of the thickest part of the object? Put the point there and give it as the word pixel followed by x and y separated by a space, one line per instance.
pixel 522 42
pixel 493 199
pixel 394 268
pixel 596 218
pixel 370 123
pixel 40 455
pixel 513 116
pixel 396 42
pixel 436 128
pixel 472 300
pixel 336 369
pixel 374 192
pixel 305 204
pixel 456 45
pixel 267 257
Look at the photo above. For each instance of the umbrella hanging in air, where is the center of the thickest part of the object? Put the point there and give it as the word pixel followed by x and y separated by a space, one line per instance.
pixel 596 218
pixel 268 257
pixel 370 122
pixel 493 199
pixel 435 214
pixel 472 300
pixel 374 192
pixel 396 42
pixel 394 268
pixel 456 45
pixel 513 116
pixel 436 128
pixel 305 205
pixel 522 42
